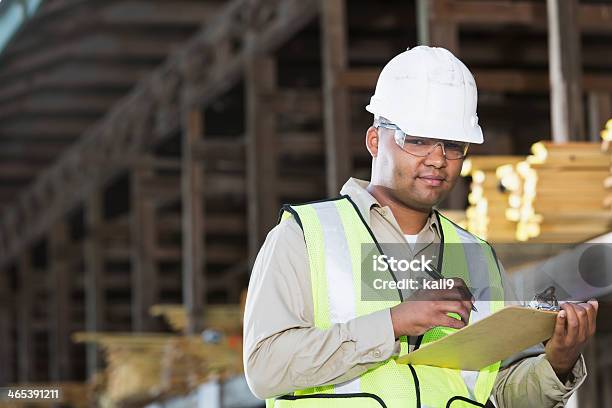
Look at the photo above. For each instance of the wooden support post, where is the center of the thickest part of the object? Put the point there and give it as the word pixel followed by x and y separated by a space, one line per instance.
pixel 436 27
pixel 25 349
pixel 94 286
pixel 7 318
pixel 192 197
pixel 565 71
pixel 59 291
pixel 143 241
pixel 261 149
pixel 600 111
pixel 338 151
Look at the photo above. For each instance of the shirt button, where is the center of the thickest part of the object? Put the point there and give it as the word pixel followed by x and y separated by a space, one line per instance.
pixel 377 353
pixel 383 212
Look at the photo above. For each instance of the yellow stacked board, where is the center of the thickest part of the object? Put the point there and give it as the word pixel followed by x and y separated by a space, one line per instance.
pixel 562 193
pixel 488 201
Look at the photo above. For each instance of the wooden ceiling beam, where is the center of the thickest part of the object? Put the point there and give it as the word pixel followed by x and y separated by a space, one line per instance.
pixel 19 170
pixel 591 17
pixel 488 80
pixel 75 76
pixel 113 15
pixel 44 128
pixel 60 103
pixel 176 12
pixel 99 46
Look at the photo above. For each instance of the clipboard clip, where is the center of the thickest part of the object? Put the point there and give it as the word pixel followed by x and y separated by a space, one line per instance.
pixel 545 300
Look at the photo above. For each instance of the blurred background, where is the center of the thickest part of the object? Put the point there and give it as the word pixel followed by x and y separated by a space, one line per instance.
pixel 147 145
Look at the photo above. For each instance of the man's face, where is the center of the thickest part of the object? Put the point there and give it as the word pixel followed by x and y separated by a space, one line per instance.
pixel 417 182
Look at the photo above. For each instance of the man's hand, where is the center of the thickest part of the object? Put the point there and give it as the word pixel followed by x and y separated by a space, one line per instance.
pixel 575 325
pixel 428 308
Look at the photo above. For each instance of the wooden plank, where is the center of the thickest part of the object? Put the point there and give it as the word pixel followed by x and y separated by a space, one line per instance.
pixel 143 243
pixel 95 305
pixel 261 148
pixel 565 71
pixel 192 183
pixel 25 350
pixel 59 290
pixel 338 157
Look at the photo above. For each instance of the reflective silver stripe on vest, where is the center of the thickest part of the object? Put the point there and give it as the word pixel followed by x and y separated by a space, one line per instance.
pixel 478 268
pixel 339 271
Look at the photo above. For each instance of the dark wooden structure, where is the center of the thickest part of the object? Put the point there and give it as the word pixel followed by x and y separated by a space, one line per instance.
pixel 147 145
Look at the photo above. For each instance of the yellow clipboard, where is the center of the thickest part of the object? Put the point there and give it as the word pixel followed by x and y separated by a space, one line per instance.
pixel 494 338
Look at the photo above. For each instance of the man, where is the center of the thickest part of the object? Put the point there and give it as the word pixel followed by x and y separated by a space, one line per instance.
pixel 314 339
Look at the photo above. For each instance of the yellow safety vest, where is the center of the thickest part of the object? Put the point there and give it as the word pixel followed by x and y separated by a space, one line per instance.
pixel 334 232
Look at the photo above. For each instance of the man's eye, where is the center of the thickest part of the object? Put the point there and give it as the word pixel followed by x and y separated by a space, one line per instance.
pixel 454 146
pixel 415 142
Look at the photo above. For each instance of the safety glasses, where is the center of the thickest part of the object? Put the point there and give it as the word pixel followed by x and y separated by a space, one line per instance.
pixel 423 146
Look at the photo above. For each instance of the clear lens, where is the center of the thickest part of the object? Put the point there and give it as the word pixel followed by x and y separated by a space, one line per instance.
pixel 422 146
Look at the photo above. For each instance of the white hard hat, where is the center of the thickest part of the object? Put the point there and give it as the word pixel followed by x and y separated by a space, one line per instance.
pixel 428 92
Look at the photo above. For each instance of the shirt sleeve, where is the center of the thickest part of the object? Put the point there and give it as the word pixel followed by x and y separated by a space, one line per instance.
pixel 283 351
pixel 527 379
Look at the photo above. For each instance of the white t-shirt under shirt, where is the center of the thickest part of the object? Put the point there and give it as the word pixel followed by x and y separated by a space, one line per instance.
pixel 411 239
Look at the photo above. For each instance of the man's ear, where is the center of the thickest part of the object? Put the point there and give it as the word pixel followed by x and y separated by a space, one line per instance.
pixel 372 140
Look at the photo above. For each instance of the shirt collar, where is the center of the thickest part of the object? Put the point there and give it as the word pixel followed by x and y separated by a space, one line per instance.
pixel 365 202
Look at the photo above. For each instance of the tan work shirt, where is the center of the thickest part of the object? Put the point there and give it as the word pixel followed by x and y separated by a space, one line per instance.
pixel 284 352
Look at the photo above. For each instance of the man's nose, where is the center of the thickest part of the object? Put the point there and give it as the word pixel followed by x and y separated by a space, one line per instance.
pixel 436 156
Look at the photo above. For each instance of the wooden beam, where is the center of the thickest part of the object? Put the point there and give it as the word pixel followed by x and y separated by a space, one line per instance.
pixel 143 245
pixel 16 169
pixel 192 183
pixel 25 349
pixel 59 290
pixel 75 76
pixel 441 31
pixel 261 148
pixel 600 111
pixel 42 128
pixel 590 17
pixel 338 157
pixel 565 71
pixel 58 103
pixel 95 305
pixel 177 13
pixel 488 80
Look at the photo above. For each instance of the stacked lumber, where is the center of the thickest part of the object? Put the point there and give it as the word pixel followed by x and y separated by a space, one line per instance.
pixel 488 201
pixel 224 318
pixel 133 365
pixel 563 193
pixel 606 147
pixel 188 362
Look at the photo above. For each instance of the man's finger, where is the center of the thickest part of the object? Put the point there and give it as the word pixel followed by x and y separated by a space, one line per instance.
pixel 583 322
pixel 448 321
pixel 455 307
pixel 560 324
pixel 572 323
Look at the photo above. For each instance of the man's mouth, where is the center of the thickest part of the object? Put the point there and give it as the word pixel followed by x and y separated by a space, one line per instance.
pixel 433 181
